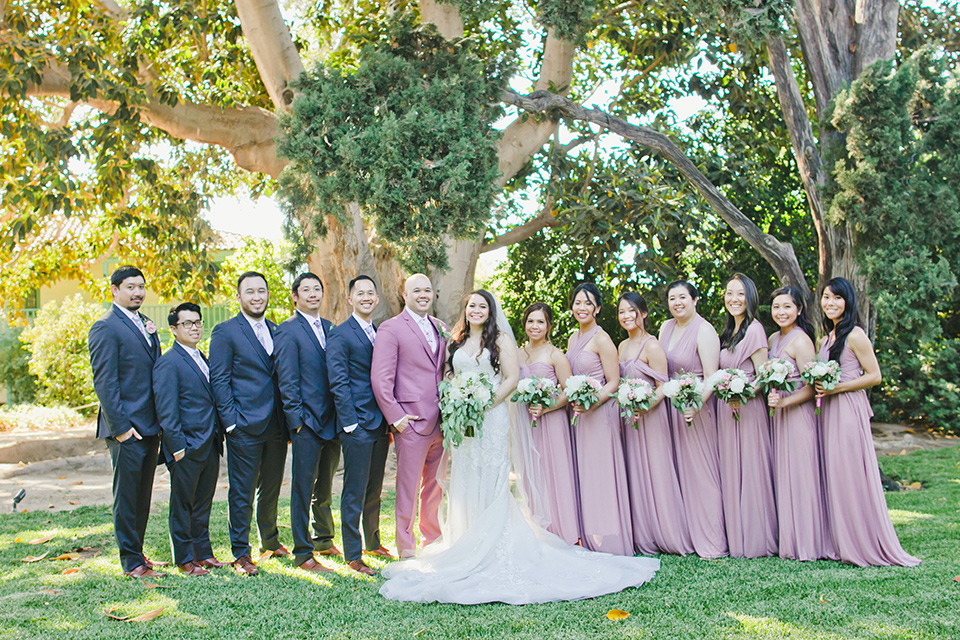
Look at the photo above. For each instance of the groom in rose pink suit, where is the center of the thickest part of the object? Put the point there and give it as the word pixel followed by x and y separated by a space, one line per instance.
pixel 407 366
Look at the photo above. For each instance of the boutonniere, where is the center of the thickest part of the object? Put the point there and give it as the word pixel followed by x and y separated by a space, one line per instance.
pixel 150 327
pixel 442 330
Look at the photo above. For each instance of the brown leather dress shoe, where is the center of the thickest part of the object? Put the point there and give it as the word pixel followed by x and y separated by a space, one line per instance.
pixel 282 551
pixel 382 552
pixel 142 571
pixel 311 564
pixel 154 563
pixel 361 567
pixel 211 563
pixel 192 569
pixel 245 565
pixel 332 551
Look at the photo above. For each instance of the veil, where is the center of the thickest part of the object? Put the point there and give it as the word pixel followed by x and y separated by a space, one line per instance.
pixel 524 457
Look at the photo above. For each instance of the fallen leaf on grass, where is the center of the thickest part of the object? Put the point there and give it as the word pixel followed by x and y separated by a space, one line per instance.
pixel 823 600
pixel 52 592
pixel 418 632
pixel 34 558
pixel 42 540
pixel 149 615
pixel 18 539
pixel 915 485
pixel 68 556
pixel 617 614
pixel 70 571
pixel 77 482
pixel 154 585
pixel 73 502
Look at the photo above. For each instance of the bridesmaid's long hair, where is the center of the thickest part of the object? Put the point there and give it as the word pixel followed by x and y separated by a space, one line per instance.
pixel 488 340
pixel 543 308
pixel 803 321
pixel 639 305
pixel 729 339
pixel 843 288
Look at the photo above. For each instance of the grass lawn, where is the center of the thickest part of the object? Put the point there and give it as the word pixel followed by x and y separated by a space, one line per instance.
pixel 689 598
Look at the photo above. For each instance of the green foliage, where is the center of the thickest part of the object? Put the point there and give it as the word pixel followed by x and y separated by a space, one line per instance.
pixel 568 18
pixel 59 357
pixel 14 366
pixel 406 134
pixel 746 21
pixel 274 260
pixel 28 417
pixel 896 188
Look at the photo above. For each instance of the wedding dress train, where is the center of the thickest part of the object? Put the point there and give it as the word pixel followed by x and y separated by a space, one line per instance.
pixel 490 551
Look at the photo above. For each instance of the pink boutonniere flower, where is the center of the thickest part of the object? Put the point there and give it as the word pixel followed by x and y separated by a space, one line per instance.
pixel 442 330
pixel 150 327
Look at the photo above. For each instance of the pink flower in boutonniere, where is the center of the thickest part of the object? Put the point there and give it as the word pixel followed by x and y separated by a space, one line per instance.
pixel 442 330
pixel 150 327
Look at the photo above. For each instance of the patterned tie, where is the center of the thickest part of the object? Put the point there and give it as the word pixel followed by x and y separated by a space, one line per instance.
pixel 427 327
pixel 258 329
pixel 139 322
pixel 368 329
pixel 318 329
pixel 200 363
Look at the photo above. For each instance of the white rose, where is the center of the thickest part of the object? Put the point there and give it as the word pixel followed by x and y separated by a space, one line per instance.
pixel 737 385
pixel 671 388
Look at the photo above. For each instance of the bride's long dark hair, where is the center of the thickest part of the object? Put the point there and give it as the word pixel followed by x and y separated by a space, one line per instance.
pixel 488 340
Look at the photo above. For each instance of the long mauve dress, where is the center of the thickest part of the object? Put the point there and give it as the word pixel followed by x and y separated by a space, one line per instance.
pixel 698 459
pixel 801 512
pixel 856 508
pixel 746 460
pixel 551 440
pixel 604 496
pixel 656 506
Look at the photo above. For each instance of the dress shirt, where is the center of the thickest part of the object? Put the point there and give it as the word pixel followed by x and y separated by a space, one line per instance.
pixel 426 326
pixel 370 332
pixel 135 317
pixel 198 358
pixel 317 326
pixel 267 338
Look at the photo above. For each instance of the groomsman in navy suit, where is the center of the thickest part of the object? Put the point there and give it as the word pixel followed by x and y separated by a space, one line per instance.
pixel 192 440
pixel 244 383
pixel 308 407
pixel 360 425
pixel 123 347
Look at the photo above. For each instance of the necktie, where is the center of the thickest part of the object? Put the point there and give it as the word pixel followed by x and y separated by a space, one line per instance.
pixel 318 328
pixel 427 327
pixel 139 322
pixel 368 329
pixel 258 329
pixel 200 363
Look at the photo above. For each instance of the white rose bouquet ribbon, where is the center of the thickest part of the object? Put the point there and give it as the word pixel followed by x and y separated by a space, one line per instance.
pixel 536 391
pixel 827 373
pixel 732 385
pixel 773 374
pixel 582 390
pixel 685 391
pixel 635 396
pixel 463 400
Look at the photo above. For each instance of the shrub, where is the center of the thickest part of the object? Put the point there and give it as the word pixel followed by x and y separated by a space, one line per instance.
pixel 60 358
pixel 29 417
pixel 15 366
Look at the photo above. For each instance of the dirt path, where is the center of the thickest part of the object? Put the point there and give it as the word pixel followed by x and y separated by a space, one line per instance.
pixel 62 470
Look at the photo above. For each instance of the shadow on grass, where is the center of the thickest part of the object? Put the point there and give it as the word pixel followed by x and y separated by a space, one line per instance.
pixel 690 597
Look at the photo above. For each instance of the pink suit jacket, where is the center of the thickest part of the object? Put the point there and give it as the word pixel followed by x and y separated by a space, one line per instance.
pixel 405 373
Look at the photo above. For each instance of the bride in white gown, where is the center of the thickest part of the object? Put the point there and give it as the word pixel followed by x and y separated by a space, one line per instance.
pixel 490 550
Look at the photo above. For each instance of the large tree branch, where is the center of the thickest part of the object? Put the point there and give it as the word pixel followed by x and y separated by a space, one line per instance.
pixel 521 139
pixel 780 255
pixel 248 133
pixel 272 47
pixel 522 232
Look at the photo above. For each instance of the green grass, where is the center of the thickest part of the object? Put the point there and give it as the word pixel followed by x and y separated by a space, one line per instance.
pixel 689 598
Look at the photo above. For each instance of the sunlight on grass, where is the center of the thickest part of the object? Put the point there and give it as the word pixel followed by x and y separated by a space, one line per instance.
pixel 754 627
pixel 899 516
pixel 275 567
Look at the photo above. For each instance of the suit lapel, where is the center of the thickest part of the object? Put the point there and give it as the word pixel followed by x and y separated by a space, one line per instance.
pixel 311 335
pixel 129 324
pixel 248 333
pixel 193 366
pixel 361 334
pixel 415 328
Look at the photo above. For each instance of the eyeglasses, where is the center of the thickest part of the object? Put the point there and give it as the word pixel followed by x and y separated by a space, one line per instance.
pixel 186 324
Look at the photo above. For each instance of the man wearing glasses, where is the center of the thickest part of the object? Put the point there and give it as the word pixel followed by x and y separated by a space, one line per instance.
pixel 191 440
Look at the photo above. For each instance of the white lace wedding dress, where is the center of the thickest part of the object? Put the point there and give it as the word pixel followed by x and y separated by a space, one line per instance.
pixel 491 552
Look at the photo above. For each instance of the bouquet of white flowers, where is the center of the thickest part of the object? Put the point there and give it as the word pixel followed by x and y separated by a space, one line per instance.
pixel 732 385
pixel 773 374
pixel 463 399
pixel 685 391
pixel 536 390
pixel 827 373
pixel 633 396
pixel 582 390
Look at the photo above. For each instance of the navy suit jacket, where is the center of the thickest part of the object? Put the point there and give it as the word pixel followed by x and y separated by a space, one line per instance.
pixel 302 369
pixel 349 354
pixel 243 376
pixel 185 404
pixel 122 363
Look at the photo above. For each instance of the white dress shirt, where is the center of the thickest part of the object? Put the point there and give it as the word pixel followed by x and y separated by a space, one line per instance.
pixel 317 331
pixel 135 317
pixel 267 341
pixel 426 327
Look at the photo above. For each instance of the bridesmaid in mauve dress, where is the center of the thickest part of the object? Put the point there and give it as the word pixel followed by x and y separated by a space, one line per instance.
pixel 556 494
pixel 856 508
pixel 693 346
pixel 656 507
pixel 604 496
pixel 746 453
pixel 801 512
